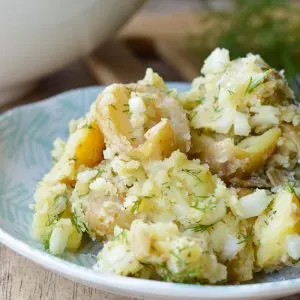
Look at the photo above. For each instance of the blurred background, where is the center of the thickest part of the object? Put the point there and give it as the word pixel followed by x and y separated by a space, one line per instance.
pixel 171 36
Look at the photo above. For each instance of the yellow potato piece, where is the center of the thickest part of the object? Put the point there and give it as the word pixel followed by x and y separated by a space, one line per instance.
pixel 272 228
pixel 240 269
pixel 74 239
pixel 160 143
pixel 89 149
pixel 84 147
pixel 229 160
pixel 112 118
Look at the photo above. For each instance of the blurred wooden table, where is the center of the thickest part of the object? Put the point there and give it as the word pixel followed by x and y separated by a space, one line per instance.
pixel 148 39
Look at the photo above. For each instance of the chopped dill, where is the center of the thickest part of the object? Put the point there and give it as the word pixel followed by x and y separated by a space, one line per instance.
pixel 133 139
pixel 246 238
pixel 89 126
pixel 126 109
pixel 253 84
pixel 217 108
pixel 46 243
pixel 80 227
pixel 166 185
pixel 54 219
pixel 82 195
pixel 191 115
pixel 136 205
pixel 206 208
pixel 200 100
pixel 194 173
pixel 290 187
pixel 122 236
pixel 113 106
pixel 197 227
pixel 177 257
pixel 230 92
pixel 73 158
pixel 138 202
pixel 187 275
pixel 100 172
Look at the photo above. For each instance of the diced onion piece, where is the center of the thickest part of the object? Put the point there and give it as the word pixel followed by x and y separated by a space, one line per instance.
pixel 254 204
pixel 59 236
pixel 216 61
pixel 293 245
pixel 231 247
pixel 241 125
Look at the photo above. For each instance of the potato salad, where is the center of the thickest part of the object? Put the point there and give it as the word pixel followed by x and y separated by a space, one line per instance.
pixel 192 187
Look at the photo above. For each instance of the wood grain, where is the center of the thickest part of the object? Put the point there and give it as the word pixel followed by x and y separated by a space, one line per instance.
pixel 24 280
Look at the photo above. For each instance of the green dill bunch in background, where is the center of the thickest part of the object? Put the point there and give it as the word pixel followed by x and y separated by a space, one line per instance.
pixel 270 28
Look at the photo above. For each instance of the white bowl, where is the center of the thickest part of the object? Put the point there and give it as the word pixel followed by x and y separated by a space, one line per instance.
pixel 37 37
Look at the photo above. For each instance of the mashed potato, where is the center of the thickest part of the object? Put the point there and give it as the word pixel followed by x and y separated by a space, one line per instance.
pixel 193 187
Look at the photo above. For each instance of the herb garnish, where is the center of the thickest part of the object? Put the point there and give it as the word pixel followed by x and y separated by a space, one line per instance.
pixel 191 115
pixel 194 173
pixel 253 84
pixel 199 100
pixel 126 109
pixel 138 202
pixel 197 227
pixel 246 238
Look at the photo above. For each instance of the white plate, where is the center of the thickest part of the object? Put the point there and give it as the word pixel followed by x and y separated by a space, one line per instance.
pixel 26 136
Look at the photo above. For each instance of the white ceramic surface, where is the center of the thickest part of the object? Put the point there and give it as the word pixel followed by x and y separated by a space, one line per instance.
pixel 37 37
pixel 26 136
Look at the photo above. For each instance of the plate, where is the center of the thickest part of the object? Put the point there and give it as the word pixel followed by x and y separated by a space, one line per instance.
pixel 26 136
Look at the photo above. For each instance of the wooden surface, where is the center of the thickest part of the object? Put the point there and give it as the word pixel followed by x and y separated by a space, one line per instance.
pixel 22 279
pixel 147 40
